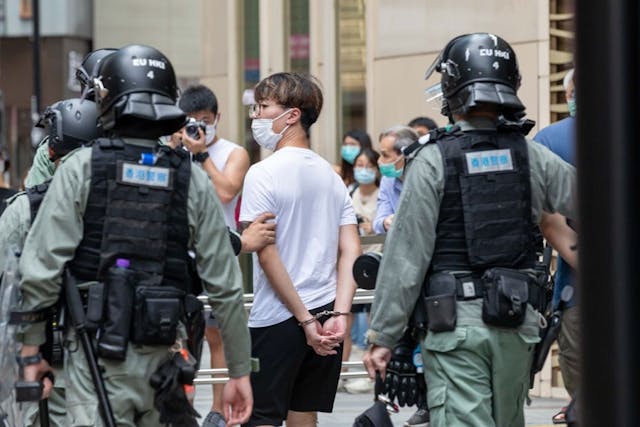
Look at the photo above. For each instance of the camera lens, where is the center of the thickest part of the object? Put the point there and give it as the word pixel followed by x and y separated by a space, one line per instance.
pixel 192 131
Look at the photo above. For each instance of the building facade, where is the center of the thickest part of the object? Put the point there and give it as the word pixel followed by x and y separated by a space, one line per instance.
pixel 66 31
pixel 369 55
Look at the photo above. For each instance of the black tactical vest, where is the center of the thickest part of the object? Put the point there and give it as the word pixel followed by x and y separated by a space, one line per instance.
pixel 36 195
pixel 137 212
pixel 485 216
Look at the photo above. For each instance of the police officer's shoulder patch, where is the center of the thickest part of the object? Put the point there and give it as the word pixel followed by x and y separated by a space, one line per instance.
pixel 130 173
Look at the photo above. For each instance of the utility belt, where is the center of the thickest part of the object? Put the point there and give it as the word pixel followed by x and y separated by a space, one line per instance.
pixel 122 310
pixel 505 294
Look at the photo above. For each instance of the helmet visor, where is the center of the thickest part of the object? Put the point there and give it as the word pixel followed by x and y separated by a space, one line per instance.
pixel 434 66
pixel 433 96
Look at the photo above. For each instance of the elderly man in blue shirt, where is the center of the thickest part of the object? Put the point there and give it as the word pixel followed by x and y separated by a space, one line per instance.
pixel 391 164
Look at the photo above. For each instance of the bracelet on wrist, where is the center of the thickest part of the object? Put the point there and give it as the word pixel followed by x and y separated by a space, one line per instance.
pixel 29 360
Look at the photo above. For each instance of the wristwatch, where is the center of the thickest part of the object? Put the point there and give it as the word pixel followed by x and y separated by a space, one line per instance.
pixel 201 157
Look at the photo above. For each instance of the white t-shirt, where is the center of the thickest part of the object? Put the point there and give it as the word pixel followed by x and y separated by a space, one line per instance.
pixel 219 153
pixel 310 202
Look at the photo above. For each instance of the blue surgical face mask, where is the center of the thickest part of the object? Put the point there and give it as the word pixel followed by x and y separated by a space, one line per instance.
pixel 389 169
pixel 571 103
pixel 349 153
pixel 364 175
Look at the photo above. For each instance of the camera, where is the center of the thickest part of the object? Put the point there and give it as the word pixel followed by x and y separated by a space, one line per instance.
pixel 192 127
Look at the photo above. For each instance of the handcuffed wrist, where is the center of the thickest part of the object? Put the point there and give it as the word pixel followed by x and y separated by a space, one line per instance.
pixel 307 322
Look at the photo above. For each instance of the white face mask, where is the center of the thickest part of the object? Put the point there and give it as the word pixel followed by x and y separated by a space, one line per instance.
pixel 263 133
pixel 210 132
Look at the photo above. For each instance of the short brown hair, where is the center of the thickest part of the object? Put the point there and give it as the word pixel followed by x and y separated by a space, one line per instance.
pixel 293 90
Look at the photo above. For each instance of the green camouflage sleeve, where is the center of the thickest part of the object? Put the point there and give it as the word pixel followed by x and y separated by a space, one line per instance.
pixel 408 248
pixel 14 226
pixel 53 239
pixel 42 168
pixel 219 270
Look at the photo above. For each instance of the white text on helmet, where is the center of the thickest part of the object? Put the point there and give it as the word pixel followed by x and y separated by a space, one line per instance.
pixel 143 62
pixel 495 52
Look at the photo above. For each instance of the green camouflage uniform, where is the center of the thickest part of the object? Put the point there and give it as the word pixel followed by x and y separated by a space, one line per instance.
pixel 476 375
pixel 42 168
pixel 14 227
pixel 52 242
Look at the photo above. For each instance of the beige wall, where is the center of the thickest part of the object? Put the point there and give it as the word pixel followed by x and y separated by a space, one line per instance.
pixel 172 26
pixel 203 39
pixel 404 37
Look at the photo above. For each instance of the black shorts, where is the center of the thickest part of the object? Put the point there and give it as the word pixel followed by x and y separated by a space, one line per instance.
pixel 292 376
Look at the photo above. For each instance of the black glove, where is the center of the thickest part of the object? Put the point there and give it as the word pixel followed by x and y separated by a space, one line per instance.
pixel 401 381
pixel 170 399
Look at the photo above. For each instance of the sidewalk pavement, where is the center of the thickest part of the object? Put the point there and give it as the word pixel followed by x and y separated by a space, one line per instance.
pixel 348 406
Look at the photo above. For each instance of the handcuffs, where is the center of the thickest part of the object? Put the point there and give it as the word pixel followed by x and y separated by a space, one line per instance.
pixel 325 313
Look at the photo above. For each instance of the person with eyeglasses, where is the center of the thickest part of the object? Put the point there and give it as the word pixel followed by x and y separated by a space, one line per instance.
pixel 303 285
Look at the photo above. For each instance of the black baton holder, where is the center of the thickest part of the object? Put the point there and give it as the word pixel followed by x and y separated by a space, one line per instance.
pixel 76 313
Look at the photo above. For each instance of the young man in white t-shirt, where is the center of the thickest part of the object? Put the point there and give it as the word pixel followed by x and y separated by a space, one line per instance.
pixel 308 270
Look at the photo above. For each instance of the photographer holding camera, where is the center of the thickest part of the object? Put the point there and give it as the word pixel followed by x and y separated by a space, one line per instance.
pixel 226 164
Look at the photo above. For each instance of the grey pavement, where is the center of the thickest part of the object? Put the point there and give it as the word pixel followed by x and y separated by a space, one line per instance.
pixel 348 406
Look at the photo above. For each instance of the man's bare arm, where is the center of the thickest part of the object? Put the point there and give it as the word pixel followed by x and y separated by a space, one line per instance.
pixel 560 236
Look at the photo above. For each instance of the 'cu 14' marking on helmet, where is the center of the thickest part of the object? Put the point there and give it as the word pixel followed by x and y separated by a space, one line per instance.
pixel 495 52
pixel 143 62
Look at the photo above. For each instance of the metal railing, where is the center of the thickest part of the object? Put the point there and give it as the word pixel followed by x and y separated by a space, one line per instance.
pixel 223 380
pixel 361 296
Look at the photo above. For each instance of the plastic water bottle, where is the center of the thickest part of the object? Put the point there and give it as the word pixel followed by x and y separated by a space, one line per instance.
pixel 114 334
pixel 417 359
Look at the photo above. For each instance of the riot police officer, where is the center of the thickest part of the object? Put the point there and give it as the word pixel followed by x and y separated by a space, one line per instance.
pixel 43 166
pixel 68 124
pixel 125 213
pixel 462 242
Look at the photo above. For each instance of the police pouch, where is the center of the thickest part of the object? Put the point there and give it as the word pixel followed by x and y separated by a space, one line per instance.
pixel 95 306
pixel 441 302
pixel 505 297
pixel 158 309
pixel 114 333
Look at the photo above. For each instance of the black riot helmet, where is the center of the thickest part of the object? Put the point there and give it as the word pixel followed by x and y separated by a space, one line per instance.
pixel 89 66
pixel 136 92
pixel 69 124
pixel 479 68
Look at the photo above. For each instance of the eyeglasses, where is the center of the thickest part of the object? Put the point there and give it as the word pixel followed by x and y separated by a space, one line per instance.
pixel 256 109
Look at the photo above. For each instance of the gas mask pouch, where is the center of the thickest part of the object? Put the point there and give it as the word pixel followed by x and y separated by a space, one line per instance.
pixel 505 297
pixel 441 302
pixel 157 312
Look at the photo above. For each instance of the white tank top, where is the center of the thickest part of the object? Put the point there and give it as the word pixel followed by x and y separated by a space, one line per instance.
pixel 219 152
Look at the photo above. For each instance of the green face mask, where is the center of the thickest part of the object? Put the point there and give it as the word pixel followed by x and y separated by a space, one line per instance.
pixel 389 169
pixel 572 107
pixel 349 153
